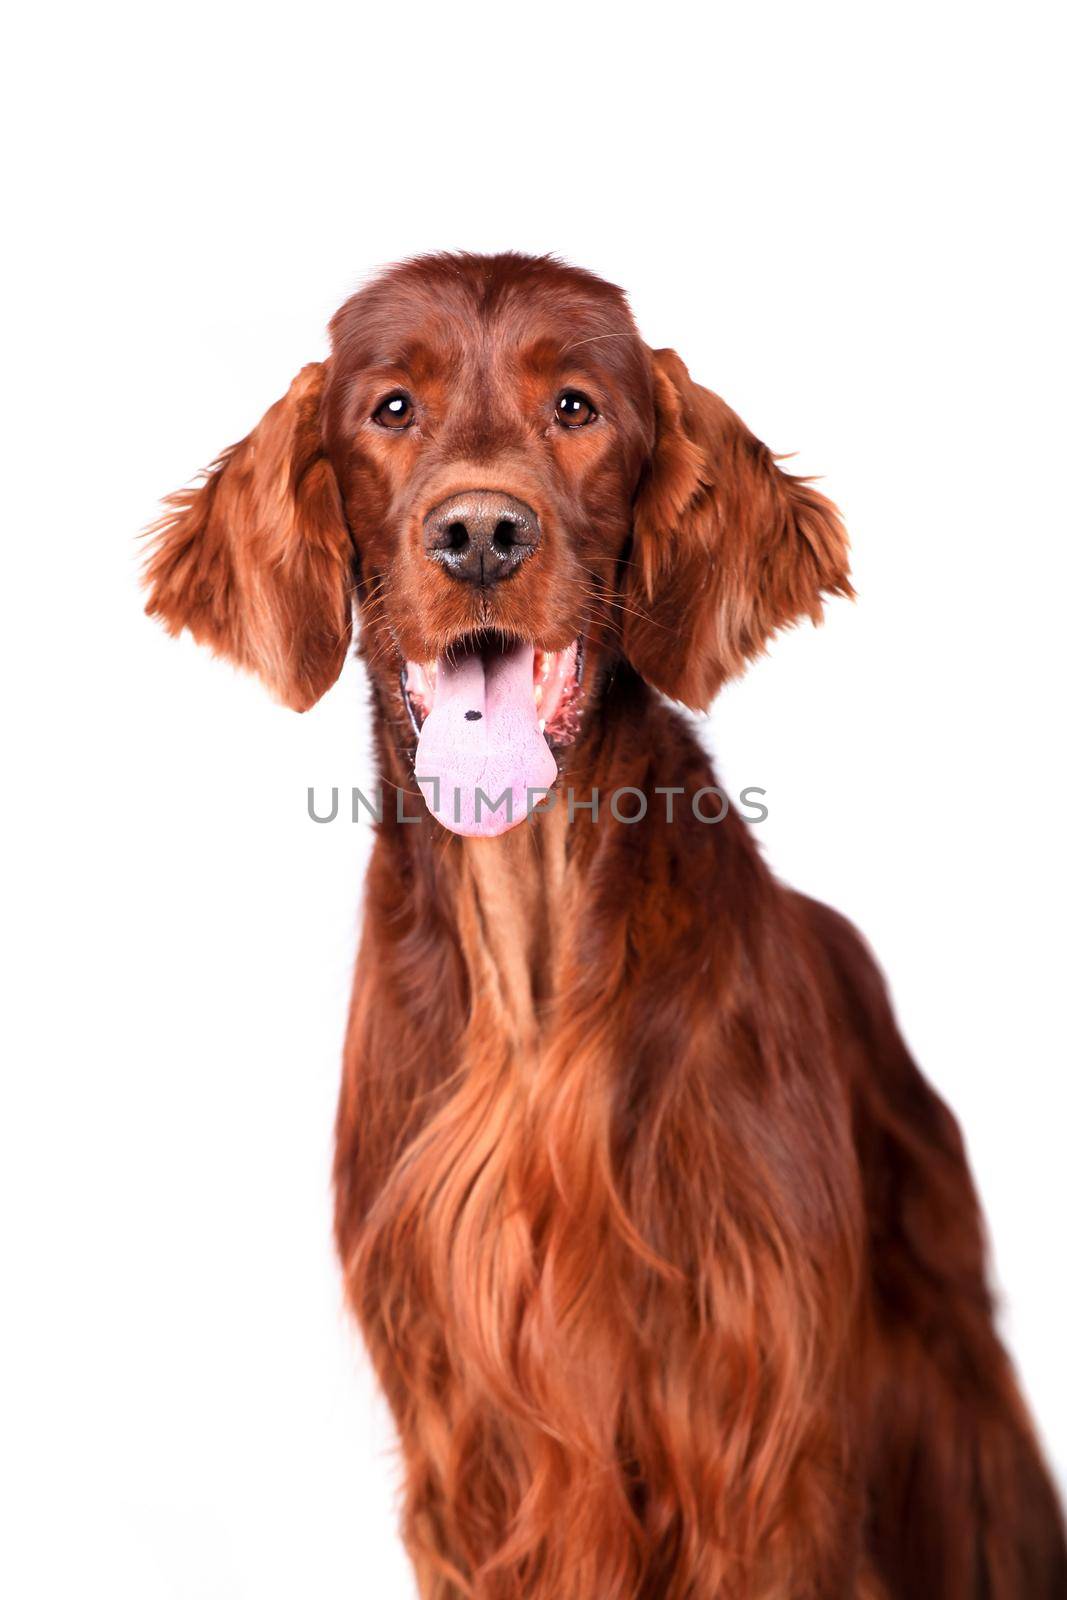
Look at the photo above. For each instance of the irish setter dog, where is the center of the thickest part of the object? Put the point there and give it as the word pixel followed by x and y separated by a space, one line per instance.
pixel 667 1256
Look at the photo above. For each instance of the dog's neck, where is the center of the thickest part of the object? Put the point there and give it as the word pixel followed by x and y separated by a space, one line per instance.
pixel 511 904
pixel 516 905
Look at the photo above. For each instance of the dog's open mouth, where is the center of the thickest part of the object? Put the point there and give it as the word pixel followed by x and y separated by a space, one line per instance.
pixel 488 714
pixel 556 677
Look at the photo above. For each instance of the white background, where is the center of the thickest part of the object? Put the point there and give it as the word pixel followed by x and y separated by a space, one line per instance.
pixel 845 219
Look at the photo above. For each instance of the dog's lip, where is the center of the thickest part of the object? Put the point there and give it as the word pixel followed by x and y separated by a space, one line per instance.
pixel 557 684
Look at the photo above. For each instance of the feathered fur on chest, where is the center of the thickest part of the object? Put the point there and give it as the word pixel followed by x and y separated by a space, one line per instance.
pixel 578 1285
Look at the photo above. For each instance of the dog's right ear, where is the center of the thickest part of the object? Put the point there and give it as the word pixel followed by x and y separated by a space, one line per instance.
pixel 256 561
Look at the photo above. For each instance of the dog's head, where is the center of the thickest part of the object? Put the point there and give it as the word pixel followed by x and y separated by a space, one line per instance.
pixel 516 491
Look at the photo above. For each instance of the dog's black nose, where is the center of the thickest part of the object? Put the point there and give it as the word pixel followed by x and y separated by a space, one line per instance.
pixel 481 536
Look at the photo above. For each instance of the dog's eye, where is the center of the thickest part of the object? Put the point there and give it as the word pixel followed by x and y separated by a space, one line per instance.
pixel 574 410
pixel 395 412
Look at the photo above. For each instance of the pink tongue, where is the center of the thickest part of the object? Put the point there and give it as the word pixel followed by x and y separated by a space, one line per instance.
pixel 482 744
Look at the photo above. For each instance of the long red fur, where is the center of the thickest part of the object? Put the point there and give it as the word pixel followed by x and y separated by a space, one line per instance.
pixel 666 1254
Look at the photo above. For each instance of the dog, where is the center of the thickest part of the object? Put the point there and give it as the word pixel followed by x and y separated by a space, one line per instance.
pixel 667 1256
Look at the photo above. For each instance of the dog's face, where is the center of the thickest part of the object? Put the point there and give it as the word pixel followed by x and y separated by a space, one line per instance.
pixel 488 425
pixel 488 429
pixel 514 490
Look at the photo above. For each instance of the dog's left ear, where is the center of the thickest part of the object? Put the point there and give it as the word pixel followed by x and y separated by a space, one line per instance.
pixel 256 561
pixel 728 548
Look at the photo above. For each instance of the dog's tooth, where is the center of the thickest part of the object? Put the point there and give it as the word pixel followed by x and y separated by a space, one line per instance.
pixel 541 724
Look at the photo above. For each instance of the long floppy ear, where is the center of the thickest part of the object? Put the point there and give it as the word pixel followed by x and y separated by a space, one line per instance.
pixel 728 548
pixel 256 560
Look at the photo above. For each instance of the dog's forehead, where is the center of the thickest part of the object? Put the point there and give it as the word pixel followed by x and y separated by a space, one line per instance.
pixel 448 312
